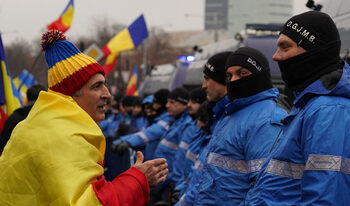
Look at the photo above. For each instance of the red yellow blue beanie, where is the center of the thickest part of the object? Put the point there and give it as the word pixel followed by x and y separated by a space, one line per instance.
pixel 69 69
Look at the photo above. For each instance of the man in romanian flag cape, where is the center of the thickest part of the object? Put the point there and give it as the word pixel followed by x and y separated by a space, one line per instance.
pixel 55 156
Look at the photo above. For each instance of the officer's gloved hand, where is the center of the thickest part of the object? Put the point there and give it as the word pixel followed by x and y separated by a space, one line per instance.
pixel 121 147
pixel 175 195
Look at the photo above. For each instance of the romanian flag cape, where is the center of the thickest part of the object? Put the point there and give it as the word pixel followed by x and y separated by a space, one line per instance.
pixel 65 20
pixel 54 157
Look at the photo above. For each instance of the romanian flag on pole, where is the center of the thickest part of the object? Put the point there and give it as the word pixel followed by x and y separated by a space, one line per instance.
pixel 110 62
pixel 9 96
pixel 131 88
pixel 128 38
pixel 65 20
pixel 23 82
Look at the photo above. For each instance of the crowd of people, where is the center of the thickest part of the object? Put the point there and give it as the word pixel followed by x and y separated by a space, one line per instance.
pixel 228 142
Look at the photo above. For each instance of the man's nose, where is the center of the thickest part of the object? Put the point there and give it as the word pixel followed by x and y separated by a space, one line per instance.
pixel 277 56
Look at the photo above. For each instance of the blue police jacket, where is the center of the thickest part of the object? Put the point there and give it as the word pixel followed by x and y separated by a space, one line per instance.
pixel 110 125
pixel 149 137
pixel 170 141
pixel 138 123
pixel 189 134
pixel 239 146
pixel 191 190
pixel 190 158
pixel 310 164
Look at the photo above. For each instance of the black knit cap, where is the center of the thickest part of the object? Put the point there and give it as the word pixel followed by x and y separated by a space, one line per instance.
pixel 249 58
pixel 137 101
pixel 198 95
pixel 180 95
pixel 311 29
pixel 161 97
pixel 215 67
pixel 128 101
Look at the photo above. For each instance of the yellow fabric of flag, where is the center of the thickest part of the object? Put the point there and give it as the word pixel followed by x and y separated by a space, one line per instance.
pixel 53 156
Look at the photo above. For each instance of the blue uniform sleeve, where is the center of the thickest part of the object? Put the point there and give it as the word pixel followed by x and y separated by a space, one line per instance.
pixel 326 178
pixel 188 134
pixel 151 133
pixel 234 159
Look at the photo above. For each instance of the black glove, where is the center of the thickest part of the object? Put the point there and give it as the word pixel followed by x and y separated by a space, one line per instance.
pixel 120 148
pixel 175 195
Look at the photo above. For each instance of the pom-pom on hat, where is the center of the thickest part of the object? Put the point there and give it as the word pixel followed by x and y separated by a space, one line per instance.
pixel 69 69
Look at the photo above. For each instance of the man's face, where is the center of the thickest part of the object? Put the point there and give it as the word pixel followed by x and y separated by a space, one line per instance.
pixel 149 109
pixel 215 91
pixel 234 73
pixel 174 107
pixel 193 107
pixel 93 99
pixel 125 110
pixel 136 110
pixel 156 105
pixel 287 48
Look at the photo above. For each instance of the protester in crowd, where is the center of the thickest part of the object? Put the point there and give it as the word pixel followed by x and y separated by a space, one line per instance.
pixel 55 155
pixel 243 138
pixel 19 114
pixel 149 137
pixel 309 164
pixel 214 84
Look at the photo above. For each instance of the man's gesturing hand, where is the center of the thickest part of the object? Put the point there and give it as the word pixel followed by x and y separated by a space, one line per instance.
pixel 155 170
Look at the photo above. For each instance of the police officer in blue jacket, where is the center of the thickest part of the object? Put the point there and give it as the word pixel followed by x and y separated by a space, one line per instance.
pixel 310 163
pixel 150 136
pixel 214 84
pixel 243 138
pixel 170 141
pixel 194 148
pixel 197 96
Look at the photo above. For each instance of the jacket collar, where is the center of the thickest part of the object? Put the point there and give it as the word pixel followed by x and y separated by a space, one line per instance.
pixel 243 102
pixel 342 88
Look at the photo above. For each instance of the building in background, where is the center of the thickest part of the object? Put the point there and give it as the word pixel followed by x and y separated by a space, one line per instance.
pixel 233 15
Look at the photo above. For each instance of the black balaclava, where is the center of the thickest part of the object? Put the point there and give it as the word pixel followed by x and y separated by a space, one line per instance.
pixel 215 67
pixel 161 97
pixel 258 81
pixel 318 35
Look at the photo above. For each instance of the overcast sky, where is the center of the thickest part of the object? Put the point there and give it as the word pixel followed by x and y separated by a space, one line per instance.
pixel 27 19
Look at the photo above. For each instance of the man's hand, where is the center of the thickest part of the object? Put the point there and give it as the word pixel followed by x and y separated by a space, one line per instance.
pixel 154 170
